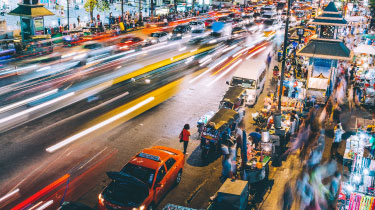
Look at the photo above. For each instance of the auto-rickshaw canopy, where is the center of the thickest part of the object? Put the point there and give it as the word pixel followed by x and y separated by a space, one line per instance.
pixel 222 118
pixel 233 94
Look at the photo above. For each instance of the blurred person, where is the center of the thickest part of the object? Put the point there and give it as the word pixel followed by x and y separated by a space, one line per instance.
pixel 334 187
pixel 268 101
pixel 337 139
pixel 305 191
pixel 185 137
pixel 257 136
pixel 287 197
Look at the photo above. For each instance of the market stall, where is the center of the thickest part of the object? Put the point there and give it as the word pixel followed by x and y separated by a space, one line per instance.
pixel 357 191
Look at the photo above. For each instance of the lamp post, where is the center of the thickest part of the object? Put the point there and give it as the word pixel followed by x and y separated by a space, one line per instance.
pixel 278 115
pixel 67 5
pixel 122 10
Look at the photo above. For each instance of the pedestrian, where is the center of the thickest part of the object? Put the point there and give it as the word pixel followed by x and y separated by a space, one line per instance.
pixel 269 58
pixel 268 101
pixel 337 139
pixel 98 17
pixel 287 197
pixel 185 137
pixel 78 20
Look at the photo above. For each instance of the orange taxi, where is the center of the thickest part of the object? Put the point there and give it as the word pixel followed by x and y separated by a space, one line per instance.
pixel 143 181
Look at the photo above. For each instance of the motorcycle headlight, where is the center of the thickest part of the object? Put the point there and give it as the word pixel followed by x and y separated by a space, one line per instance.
pixel 140 208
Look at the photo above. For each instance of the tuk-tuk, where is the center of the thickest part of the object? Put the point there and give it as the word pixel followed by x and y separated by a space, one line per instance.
pixel 215 128
pixel 8 48
pixel 38 45
pixel 234 99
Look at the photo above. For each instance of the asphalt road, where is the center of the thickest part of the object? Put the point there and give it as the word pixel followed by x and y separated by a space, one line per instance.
pixel 28 168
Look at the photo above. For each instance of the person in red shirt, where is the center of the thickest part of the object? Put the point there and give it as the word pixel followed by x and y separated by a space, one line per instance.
pixel 185 136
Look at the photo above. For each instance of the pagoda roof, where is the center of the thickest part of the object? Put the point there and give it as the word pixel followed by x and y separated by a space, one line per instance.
pixel 324 21
pixel 331 7
pixel 331 15
pixel 327 49
pixel 27 10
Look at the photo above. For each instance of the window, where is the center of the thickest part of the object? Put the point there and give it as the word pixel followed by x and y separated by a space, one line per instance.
pixel 169 163
pixel 161 174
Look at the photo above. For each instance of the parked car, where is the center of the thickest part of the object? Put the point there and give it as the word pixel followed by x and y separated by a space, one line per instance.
pixel 144 180
pixel 157 37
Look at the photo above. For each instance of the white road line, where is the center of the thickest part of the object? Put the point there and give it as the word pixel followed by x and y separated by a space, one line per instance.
pixel 36 108
pixel 224 73
pixel 97 126
pixel 10 194
pixel 20 103
pixel 93 158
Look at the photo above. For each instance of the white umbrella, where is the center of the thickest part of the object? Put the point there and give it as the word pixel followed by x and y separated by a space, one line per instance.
pixel 365 49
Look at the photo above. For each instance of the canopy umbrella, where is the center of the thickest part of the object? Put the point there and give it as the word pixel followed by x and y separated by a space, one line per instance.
pixel 365 49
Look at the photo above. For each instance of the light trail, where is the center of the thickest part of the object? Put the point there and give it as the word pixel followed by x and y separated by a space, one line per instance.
pixel 98 126
pixel 225 66
pixel 36 108
pixel 251 55
pixel 10 194
pixel 45 205
pixel 224 73
pixel 208 70
pixel 20 103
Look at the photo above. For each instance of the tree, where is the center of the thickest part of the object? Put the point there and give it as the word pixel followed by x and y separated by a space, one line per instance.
pixel 101 5
pixel 90 6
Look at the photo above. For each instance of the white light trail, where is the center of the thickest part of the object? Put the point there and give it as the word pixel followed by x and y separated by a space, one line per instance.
pixel 10 194
pixel 204 63
pixel 225 72
pixel 252 54
pixel 20 103
pixel 97 126
pixel 229 48
pixel 208 70
pixel 35 108
pixel 45 205
pixel 182 49
pixel 44 68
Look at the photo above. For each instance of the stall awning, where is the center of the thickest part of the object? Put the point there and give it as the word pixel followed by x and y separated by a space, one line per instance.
pixel 31 11
pixel 326 49
pixel 365 49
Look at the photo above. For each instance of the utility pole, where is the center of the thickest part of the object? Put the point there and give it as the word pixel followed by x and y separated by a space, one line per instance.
pixel 122 10
pixel 140 13
pixel 284 57
pixel 67 5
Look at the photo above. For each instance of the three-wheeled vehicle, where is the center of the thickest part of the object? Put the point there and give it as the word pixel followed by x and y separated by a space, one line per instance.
pixel 214 129
pixel 234 99
pixel 38 45
pixel 72 37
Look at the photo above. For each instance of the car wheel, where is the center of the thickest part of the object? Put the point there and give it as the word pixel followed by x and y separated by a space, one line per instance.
pixel 178 178
pixel 151 207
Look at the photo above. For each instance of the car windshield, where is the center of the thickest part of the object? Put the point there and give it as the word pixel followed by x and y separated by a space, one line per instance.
pixel 237 29
pixel 146 175
pixel 178 30
pixel 124 194
pixel 266 16
pixel 155 35
pixel 222 18
pixel 92 46
pixel 226 104
pixel 246 83
pixel 198 31
pixel 268 22
pixel 193 23
pixel 209 21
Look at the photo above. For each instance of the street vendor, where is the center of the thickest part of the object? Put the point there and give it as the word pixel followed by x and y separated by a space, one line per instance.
pixel 256 137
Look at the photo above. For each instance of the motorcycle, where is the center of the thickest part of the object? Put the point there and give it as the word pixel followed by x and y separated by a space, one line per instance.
pixel 259 120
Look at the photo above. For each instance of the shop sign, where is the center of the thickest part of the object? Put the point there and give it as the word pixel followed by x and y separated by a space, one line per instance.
pixel 39 26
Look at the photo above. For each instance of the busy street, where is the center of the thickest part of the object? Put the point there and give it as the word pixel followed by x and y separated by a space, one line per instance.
pixel 107 104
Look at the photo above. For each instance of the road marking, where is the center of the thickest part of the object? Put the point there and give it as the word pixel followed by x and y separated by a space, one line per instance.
pixel 8 195
pixel 36 108
pixel 20 103
pixel 93 158
pixel 97 126
pixel 225 72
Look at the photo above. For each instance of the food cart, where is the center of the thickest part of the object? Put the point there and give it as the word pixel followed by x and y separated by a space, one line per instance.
pixel 212 131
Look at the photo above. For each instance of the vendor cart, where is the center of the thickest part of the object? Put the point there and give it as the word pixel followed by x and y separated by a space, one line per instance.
pixel 213 130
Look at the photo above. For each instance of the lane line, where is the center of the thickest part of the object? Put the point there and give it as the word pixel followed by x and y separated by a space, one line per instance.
pixel 97 126
pixel 93 157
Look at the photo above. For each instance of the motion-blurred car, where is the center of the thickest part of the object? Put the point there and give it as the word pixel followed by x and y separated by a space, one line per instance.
pixel 199 33
pixel 179 31
pixel 239 31
pixel 128 43
pixel 74 206
pixel 143 182
pixel 238 22
pixel 196 25
pixel 157 37
pixel 252 27
pixel 248 18
pixel 225 19
pixel 271 25
pixel 208 22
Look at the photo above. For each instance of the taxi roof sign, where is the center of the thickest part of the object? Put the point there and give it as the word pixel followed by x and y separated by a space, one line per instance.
pixel 148 156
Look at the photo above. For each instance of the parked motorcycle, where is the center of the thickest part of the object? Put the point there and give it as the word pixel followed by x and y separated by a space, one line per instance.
pixel 259 120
